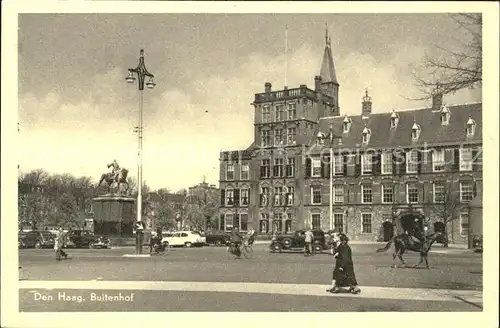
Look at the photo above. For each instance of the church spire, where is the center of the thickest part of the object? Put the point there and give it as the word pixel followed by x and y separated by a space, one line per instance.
pixel 327 72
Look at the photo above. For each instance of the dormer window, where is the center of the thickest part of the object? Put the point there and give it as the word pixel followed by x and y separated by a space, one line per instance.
pixel 471 127
pixel 415 131
pixel 320 140
pixel 394 120
pixel 366 135
pixel 346 124
pixel 445 115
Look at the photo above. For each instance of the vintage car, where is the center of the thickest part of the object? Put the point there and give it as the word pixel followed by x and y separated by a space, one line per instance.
pixel 183 238
pixel 296 241
pixel 85 238
pixel 219 238
pixel 36 239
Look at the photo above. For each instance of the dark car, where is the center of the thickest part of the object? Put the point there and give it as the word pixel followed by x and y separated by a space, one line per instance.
pixel 218 238
pixel 477 243
pixel 36 239
pixel 296 241
pixel 85 238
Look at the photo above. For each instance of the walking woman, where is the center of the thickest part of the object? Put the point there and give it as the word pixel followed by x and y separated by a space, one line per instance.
pixel 343 273
pixel 59 244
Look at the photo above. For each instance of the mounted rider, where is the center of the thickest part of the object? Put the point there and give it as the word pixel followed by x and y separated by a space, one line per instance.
pixel 417 237
pixel 116 169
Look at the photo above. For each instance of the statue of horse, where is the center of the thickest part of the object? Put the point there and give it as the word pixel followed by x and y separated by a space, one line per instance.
pixel 110 178
pixel 402 243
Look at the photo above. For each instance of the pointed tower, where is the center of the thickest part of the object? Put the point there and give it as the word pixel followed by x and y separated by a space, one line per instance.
pixel 329 84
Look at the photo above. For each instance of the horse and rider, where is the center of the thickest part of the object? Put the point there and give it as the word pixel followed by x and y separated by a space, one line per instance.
pixel 415 240
pixel 117 175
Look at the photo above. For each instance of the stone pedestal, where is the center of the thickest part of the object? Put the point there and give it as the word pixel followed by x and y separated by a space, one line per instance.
pixel 114 217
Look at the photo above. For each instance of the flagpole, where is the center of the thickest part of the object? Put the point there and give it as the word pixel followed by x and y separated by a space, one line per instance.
pixel 286 54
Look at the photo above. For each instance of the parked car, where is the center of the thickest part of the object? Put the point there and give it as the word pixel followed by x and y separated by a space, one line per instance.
pixel 36 239
pixel 296 241
pixel 218 238
pixel 20 240
pixel 477 243
pixel 85 238
pixel 183 238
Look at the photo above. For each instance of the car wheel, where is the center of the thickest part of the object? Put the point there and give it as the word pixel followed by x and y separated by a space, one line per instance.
pixel 318 248
pixel 276 248
pixel 287 243
pixel 38 245
pixel 188 244
pixel 91 244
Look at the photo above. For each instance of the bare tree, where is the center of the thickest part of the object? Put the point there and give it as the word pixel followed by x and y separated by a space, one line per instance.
pixel 445 205
pixel 454 69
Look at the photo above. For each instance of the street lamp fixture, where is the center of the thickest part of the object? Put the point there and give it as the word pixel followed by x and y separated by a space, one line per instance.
pixel 141 73
pixel 331 137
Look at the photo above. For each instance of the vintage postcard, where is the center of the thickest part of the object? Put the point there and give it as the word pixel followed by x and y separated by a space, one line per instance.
pixel 242 160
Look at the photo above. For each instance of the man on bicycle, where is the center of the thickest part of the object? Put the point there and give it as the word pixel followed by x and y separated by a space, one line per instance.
pixel 250 236
pixel 236 239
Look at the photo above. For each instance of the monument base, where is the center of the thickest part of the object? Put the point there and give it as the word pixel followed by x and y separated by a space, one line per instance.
pixel 114 217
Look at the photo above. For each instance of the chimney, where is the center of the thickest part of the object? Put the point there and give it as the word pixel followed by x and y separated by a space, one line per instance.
pixel 437 101
pixel 317 83
pixel 267 87
pixel 367 105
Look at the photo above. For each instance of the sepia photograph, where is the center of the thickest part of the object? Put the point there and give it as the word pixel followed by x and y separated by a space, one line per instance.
pixel 248 162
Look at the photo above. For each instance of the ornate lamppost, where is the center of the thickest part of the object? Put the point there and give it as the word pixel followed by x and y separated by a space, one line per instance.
pixel 330 137
pixel 141 73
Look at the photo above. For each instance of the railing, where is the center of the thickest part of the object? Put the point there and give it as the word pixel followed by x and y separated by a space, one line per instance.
pixel 285 94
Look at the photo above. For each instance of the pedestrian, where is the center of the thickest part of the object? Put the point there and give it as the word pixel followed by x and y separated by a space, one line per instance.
pixel 308 242
pixel 236 239
pixel 59 243
pixel 343 273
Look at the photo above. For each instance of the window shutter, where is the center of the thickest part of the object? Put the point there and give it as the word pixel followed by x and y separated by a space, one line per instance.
pixel 223 197
pixel 357 165
pixel 455 167
pixel 308 167
pixel 221 222
pixel 474 190
pixel 402 164
pixel 419 161
pixel 344 160
pixel 395 166
pixel 236 197
pixel 323 167
pixel 476 161
pixel 326 167
pixel 377 165
pixel 262 171
pixel 236 221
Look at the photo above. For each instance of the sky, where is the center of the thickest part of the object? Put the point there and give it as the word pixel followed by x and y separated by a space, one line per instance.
pixel 77 113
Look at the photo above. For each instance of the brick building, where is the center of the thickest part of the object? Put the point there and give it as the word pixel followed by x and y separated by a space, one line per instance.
pixel 424 162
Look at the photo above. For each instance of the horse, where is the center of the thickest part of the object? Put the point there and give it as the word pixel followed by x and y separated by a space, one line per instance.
pixel 110 178
pixel 401 244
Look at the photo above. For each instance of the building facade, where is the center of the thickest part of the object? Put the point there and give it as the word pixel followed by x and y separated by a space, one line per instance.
pixel 424 162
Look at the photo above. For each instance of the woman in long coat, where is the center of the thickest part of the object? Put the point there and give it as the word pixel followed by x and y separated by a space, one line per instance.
pixel 343 273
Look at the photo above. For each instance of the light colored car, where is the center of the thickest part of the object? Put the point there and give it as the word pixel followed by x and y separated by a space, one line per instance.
pixel 183 238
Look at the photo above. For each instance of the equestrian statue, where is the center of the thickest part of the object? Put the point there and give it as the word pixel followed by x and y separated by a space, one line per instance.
pixel 118 175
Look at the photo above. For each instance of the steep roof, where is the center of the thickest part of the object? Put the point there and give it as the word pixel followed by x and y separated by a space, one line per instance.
pixel 432 131
pixel 327 72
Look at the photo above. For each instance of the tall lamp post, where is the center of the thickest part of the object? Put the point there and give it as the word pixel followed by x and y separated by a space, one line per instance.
pixel 141 73
pixel 331 138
